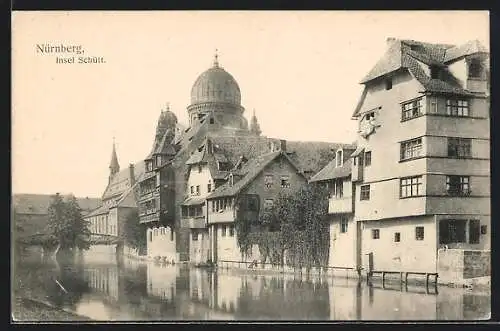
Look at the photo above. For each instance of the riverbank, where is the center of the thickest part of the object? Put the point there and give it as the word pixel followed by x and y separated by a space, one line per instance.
pixel 24 310
pixel 479 284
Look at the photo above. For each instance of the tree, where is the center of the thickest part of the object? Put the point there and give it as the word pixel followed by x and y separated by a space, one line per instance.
pixel 296 223
pixel 66 224
pixel 134 233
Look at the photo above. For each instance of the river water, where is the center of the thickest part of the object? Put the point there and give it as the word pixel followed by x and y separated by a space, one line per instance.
pixel 102 288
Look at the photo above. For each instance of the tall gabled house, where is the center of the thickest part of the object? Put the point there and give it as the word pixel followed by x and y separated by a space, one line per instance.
pixel 424 120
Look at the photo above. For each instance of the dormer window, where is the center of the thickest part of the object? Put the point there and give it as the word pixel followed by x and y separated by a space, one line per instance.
pixel 149 165
pixel 435 72
pixel 475 68
pixel 158 160
pixel 339 158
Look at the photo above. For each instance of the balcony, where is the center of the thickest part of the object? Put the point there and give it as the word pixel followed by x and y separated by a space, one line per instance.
pixel 340 205
pixel 222 216
pixel 194 222
pixel 149 218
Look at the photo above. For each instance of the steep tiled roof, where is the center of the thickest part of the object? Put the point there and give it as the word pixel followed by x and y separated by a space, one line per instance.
pixel 250 170
pixel 98 211
pixel 121 181
pixel 38 204
pixel 411 55
pixel 331 171
pixel 309 156
pixel 471 47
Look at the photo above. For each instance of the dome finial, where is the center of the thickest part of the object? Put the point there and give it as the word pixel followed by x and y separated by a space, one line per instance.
pixel 216 58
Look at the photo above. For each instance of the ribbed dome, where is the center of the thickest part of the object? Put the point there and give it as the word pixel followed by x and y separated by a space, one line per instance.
pixel 216 85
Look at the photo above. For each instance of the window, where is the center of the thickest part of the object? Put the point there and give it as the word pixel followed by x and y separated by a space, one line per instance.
pixel 388 84
pixel 474 231
pixel 412 109
pixel 343 225
pixel 368 158
pixel 192 189
pixel 435 72
pixel 212 120
pixel 194 236
pixel 171 235
pixel 338 161
pixel 475 68
pixel 457 185
pixel 411 187
pixel 397 237
pixel 150 236
pixel 365 192
pixel 457 107
pixel 452 231
pixel 459 147
pixel 411 149
pixel 209 187
pixel 231 231
pixel 149 166
pixel 434 105
pixel 419 233
pixel 484 229
pixel 197 189
pixel 268 204
pixel 199 168
pixel 268 181
pixel 285 181
pixel 338 188
pixel 223 229
pixel 375 234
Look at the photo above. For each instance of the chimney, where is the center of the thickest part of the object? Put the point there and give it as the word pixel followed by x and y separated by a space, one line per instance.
pixel 283 145
pixel 132 174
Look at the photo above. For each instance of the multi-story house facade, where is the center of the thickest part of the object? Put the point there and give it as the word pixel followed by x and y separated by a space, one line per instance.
pixel 422 166
pixel 344 250
pixel 199 159
pixel 156 207
pixel 250 190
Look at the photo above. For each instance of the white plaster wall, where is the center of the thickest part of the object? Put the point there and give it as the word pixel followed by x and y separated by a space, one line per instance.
pixel 342 245
pixel 160 244
pixel 227 247
pixel 199 178
pixel 407 255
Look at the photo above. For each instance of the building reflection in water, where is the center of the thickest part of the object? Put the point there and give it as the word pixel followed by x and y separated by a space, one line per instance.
pixel 134 290
pixel 161 281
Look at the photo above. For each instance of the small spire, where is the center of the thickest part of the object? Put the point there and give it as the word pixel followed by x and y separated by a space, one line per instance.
pixel 216 58
pixel 114 167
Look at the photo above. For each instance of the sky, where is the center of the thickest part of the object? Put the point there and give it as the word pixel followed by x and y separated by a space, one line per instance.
pixel 299 71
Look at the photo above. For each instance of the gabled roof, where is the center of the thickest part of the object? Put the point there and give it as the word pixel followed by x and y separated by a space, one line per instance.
pixel 457 52
pixel 122 181
pixel 331 171
pixel 309 156
pixel 38 204
pixel 251 170
pixel 411 55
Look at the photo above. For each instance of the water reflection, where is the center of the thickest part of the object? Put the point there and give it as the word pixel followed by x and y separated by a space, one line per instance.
pixel 132 290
